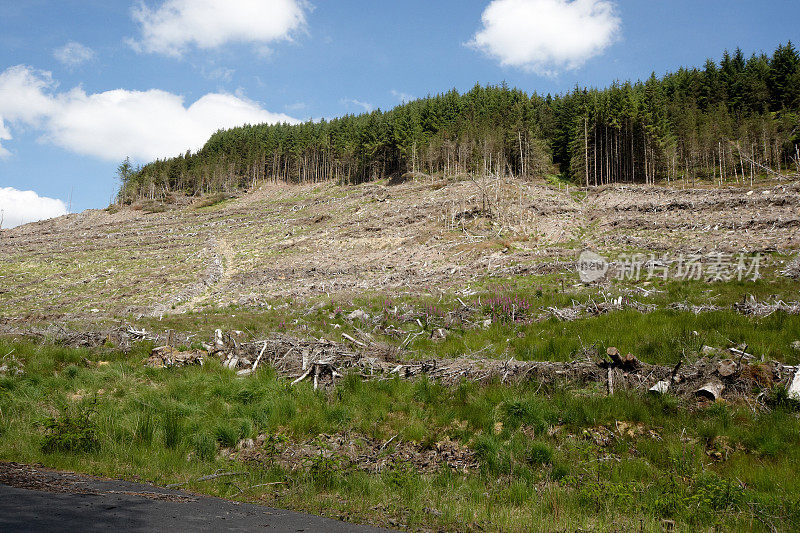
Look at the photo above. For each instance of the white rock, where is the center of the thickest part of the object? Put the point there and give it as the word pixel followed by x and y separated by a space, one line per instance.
pixel 358 314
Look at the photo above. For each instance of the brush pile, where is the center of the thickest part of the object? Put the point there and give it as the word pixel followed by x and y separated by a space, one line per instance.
pixel 752 307
pixel 731 374
pixel 792 270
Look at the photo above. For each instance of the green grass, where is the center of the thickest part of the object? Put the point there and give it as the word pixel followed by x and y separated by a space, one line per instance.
pixel 540 465
pixel 663 336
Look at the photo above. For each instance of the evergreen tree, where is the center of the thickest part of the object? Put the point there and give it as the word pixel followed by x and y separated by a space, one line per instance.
pixel 718 122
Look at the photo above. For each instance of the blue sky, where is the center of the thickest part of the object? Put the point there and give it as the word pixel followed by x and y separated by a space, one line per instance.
pixel 83 83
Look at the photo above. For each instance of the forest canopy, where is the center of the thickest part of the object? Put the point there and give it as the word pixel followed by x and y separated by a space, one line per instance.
pixel 726 121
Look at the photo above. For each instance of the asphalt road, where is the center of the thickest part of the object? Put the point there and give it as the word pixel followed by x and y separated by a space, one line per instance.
pixel 35 499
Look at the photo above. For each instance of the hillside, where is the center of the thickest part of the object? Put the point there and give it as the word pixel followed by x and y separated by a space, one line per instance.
pixel 305 242
pixel 422 355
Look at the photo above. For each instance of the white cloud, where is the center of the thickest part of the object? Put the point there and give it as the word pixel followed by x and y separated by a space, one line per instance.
pixel 218 74
pixel 22 95
pixel 350 102
pixel 547 36
pixel 73 54
pixel 111 125
pixel 401 96
pixel 177 25
pixel 5 135
pixel 20 207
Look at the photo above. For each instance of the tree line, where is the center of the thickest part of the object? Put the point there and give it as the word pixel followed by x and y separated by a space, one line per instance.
pixel 730 120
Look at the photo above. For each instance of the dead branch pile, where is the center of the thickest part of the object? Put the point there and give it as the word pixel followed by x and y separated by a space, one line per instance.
pixel 297 358
pixel 357 451
pixel 753 307
pixel 122 337
pixel 591 308
pixel 731 375
pixel 696 309
pixel 167 357
pixel 792 270
pixel 323 362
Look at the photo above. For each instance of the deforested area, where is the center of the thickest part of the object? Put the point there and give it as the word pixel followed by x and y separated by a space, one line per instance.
pixel 490 309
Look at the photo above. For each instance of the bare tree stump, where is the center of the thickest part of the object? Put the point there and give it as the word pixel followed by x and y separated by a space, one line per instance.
pixel 727 368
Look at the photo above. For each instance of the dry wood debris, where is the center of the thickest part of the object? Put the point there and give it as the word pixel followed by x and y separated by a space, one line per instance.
pixel 304 241
pixel 323 361
pixel 750 306
pixel 354 450
pixel 792 270
pixel 713 376
pixel 167 357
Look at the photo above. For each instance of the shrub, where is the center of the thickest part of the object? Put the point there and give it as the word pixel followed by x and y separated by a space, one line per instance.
pixel 226 435
pixel 204 446
pixel 70 433
pixel 539 454
pixel 711 494
pixel 172 424
pixel 145 428
pixel 273 444
pixel 213 199
pixel 324 470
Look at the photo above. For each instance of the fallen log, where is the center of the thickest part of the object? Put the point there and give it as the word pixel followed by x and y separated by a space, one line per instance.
pixel 317 371
pixel 711 390
pixel 351 339
pixel 260 354
pixel 613 354
pixel 630 361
